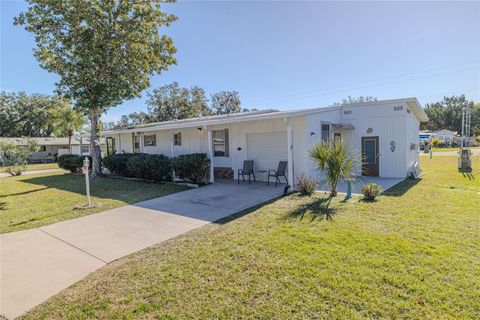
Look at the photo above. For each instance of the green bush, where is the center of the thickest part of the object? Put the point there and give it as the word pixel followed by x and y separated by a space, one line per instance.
pixel 370 191
pixel 149 166
pixel 306 186
pixel 117 163
pixel 192 167
pixel 72 162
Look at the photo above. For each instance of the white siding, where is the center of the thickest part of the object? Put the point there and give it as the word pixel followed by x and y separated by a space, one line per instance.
pixel 267 149
pixel 388 125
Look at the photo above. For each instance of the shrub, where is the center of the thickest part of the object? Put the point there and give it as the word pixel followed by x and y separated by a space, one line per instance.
pixel 370 191
pixel 306 186
pixel 149 166
pixel 193 167
pixel 117 163
pixel 16 169
pixel 72 162
pixel 15 157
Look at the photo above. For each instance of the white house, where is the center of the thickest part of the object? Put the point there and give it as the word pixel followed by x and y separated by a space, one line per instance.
pixel 384 132
pixel 50 147
pixel 444 135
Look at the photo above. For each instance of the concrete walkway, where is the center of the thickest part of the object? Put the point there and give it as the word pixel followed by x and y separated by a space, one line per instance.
pixel 32 172
pixel 38 263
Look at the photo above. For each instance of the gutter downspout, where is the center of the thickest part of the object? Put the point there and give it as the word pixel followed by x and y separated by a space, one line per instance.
pixel 210 155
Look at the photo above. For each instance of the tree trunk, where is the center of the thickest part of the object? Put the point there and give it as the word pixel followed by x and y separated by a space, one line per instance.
pixel 95 151
pixel 69 142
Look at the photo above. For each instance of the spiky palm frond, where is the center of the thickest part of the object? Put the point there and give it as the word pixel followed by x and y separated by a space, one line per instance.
pixel 336 160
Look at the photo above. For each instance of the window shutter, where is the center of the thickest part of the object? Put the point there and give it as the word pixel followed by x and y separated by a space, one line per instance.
pixel 227 147
pixel 179 138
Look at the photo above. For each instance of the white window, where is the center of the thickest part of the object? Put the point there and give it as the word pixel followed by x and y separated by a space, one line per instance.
pixel 337 136
pixel 85 149
pixel 150 140
pixel 177 139
pixel 220 143
pixel 325 132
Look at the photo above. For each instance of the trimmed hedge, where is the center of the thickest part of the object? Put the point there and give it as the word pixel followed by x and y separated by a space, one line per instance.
pixel 149 167
pixel 193 167
pixel 189 167
pixel 72 162
pixel 117 163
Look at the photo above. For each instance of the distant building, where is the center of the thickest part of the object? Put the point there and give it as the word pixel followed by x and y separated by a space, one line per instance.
pixel 51 147
pixel 445 136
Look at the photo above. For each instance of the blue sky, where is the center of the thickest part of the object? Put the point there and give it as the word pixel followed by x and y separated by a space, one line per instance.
pixel 290 55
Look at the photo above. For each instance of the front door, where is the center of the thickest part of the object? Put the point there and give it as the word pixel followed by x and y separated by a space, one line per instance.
pixel 370 156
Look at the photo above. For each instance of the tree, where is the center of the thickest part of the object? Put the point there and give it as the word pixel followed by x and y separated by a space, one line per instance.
pixel 103 51
pixel 359 99
pixel 172 102
pixel 225 102
pixel 16 155
pixel 336 160
pixel 27 115
pixel 65 122
pixel 447 114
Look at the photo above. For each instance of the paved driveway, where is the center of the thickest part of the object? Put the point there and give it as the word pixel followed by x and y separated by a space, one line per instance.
pixel 38 263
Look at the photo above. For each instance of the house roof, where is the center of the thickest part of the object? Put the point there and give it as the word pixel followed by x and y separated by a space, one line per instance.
pixel 260 115
pixel 51 141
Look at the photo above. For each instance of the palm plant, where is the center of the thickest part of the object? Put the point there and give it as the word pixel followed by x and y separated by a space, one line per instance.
pixel 336 160
pixel 66 121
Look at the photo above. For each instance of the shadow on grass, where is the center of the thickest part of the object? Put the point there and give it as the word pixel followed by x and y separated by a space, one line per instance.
pixel 318 209
pixel 400 189
pixel 104 187
pixel 468 175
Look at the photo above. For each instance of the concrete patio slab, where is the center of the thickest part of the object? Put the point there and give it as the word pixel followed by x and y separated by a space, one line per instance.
pixel 384 183
pixel 39 263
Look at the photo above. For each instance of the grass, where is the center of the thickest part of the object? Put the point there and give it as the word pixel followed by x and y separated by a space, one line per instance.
pixel 39 166
pixel 36 200
pixel 412 254
pixel 450 149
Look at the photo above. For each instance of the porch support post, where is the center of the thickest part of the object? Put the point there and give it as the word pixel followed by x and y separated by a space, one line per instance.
pixel 210 155
pixel 119 143
pixel 171 152
pixel 291 181
pixel 141 143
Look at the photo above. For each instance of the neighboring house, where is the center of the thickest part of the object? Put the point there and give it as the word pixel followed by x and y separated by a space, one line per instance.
pixel 445 136
pixel 424 138
pixel 384 132
pixel 51 147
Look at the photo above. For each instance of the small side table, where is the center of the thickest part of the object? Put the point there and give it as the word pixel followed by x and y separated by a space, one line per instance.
pixel 261 174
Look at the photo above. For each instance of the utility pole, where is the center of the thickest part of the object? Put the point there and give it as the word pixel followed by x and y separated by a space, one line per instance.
pixel 464 161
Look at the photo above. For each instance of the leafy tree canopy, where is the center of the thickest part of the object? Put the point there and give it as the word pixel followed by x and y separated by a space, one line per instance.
pixel 27 115
pixel 447 114
pixel 173 102
pixel 359 99
pixel 103 51
pixel 225 102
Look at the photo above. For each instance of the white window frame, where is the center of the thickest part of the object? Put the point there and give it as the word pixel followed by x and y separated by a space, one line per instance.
pixel 177 139
pixel 150 140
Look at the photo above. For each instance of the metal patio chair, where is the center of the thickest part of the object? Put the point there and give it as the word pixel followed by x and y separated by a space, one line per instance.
pixel 246 171
pixel 280 172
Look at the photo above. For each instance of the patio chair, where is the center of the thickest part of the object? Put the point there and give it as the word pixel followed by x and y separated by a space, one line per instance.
pixel 280 172
pixel 246 171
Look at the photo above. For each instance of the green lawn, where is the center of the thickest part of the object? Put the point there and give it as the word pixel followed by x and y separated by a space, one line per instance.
pixel 449 149
pixel 39 166
pixel 36 200
pixel 413 254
